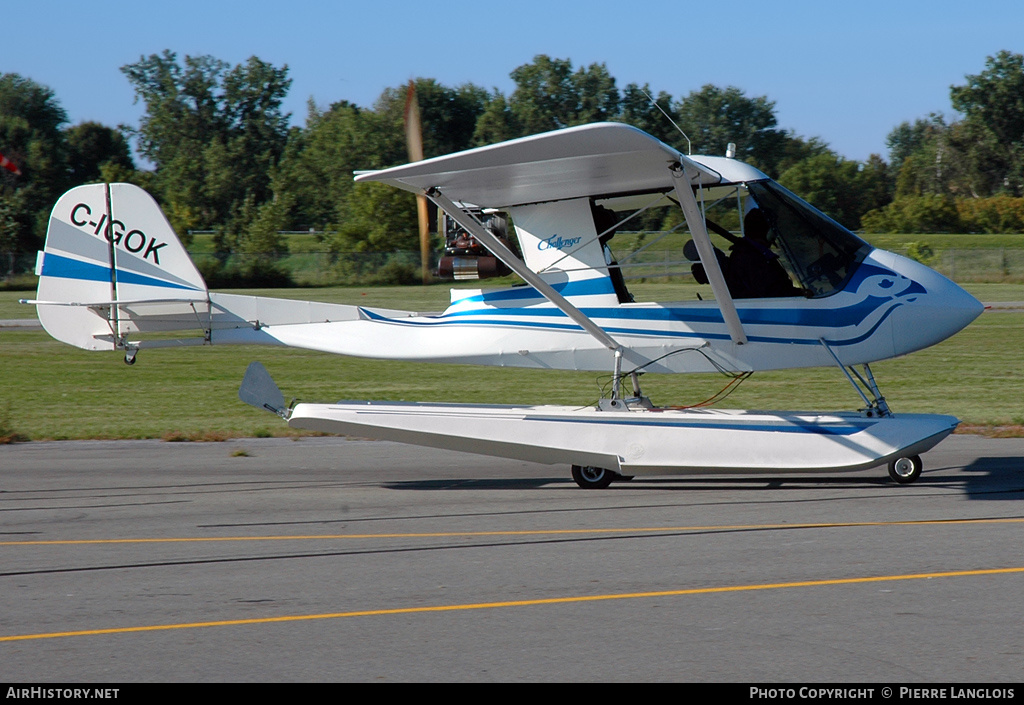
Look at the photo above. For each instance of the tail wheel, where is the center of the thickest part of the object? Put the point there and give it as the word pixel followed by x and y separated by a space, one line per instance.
pixel 591 478
pixel 905 470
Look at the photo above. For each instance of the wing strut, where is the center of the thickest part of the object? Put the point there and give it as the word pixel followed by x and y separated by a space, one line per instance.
pixel 695 221
pixel 498 249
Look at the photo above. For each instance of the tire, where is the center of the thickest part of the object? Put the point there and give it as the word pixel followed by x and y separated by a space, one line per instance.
pixel 591 478
pixel 903 471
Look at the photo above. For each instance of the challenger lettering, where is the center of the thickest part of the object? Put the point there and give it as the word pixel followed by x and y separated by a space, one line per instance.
pixel 557 242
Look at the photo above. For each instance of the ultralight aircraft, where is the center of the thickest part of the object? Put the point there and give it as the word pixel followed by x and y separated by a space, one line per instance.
pixel 796 290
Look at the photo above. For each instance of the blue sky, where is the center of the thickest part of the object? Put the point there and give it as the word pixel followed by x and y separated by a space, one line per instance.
pixel 844 72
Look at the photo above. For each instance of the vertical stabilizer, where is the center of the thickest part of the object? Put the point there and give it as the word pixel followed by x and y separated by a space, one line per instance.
pixel 109 254
pixel 559 241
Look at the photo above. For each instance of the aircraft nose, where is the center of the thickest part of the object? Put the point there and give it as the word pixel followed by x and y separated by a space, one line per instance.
pixel 929 317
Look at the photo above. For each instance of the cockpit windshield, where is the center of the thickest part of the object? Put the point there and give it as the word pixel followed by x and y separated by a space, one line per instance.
pixel 819 252
pixel 769 242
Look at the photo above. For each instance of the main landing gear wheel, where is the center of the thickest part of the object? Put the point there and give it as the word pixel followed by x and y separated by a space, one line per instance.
pixel 591 478
pixel 905 470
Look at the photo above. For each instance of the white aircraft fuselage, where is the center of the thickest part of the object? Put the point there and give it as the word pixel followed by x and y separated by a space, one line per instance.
pixel 113 272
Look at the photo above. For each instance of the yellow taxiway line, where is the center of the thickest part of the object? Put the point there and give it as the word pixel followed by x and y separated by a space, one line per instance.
pixel 517 603
pixel 531 532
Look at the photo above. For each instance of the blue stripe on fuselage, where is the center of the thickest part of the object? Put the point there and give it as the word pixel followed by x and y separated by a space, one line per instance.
pixel 817 317
pixel 486 320
pixel 585 287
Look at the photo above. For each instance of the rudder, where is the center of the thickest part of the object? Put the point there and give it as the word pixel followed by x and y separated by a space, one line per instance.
pixel 112 265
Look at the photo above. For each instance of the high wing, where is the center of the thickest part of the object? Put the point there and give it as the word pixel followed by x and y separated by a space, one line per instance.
pixel 602 160
pixel 578 162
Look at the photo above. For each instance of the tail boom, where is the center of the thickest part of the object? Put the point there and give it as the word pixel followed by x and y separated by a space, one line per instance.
pixel 113 269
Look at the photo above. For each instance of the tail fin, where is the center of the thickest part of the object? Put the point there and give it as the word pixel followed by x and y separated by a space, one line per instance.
pixel 111 266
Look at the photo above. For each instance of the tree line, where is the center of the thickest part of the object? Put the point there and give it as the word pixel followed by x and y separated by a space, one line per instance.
pixel 225 158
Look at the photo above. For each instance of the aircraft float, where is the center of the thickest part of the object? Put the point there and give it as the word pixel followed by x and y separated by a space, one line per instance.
pixel 114 276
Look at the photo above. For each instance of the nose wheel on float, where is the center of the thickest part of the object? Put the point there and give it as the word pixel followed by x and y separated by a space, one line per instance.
pixel 905 470
pixel 592 478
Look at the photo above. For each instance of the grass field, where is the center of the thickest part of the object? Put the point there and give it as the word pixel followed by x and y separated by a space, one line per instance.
pixel 51 391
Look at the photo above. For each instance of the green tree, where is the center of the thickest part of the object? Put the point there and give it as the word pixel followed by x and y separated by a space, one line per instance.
pixel 907 139
pixel 91 146
pixel 926 159
pixel 257 129
pixel 448 115
pixel 996 214
pixel 928 213
pixel 831 184
pixel 544 98
pixel 213 131
pixel 992 103
pixel 977 156
pixel 31 122
pixel 316 171
pixel 597 98
pixel 974 164
pixel 635 109
pixel 8 234
pixel 713 117
pixel 496 123
pixel 549 95
pixel 261 244
pixel 877 182
pixel 995 97
pixel 377 218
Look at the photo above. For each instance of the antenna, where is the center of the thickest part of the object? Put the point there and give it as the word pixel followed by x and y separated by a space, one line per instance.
pixel 689 147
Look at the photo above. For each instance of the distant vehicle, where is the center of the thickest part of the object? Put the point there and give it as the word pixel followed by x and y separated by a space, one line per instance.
pixel 113 276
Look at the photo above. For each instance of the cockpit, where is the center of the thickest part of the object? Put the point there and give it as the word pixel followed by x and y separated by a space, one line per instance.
pixel 819 253
pixel 768 241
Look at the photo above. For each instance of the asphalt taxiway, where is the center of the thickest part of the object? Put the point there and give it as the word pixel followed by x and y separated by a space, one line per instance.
pixel 326 559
